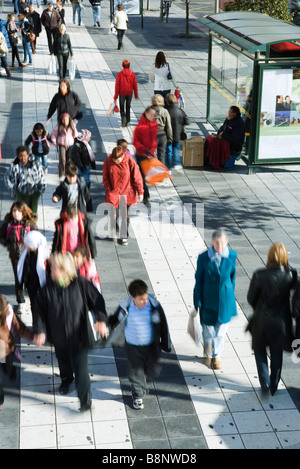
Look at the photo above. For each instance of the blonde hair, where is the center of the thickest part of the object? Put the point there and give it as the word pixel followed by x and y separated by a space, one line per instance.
pixel 66 263
pixel 158 100
pixel 277 256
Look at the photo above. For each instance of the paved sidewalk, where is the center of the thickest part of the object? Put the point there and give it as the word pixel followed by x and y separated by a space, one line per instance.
pixel 189 406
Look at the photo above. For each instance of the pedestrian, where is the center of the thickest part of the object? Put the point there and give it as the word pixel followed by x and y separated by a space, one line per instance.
pixel 96 8
pixel 121 23
pixel 72 230
pixel 214 295
pixel 269 295
pixel 145 142
pixel 26 26
pixel 65 101
pixel 178 120
pixel 162 75
pixel 10 326
pixel 37 26
pixel 73 191
pixel 25 179
pixel 77 7
pixel 59 313
pixel 62 48
pixel 125 86
pixel 17 222
pixel 83 156
pixel 233 130
pixel 61 10
pixel 13 39
pixel 146 334
pixel 164 132
pixel 39 138
pixel 123 187
pixel 86 267
pixel 3 54
pixel 122 142
pixel 23 6
pixel 63 136
pixel 51 20
pixel 33 264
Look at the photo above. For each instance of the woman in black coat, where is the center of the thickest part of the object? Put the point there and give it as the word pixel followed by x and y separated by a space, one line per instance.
pixel 178 120
pixel 62 49
pixel 271 325
pixel 60 315
pixel 65 101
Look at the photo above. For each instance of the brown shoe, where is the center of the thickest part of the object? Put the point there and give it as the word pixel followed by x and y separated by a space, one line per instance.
pixel 22 65
pixel 216 363
pixel 13 65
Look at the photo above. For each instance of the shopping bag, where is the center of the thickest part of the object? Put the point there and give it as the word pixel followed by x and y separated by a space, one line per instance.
pixel 112 29
pixel 112 109
pixel 194 327
pixel 72 69
pixel 180 100
pixel 52 66
pixel 154 171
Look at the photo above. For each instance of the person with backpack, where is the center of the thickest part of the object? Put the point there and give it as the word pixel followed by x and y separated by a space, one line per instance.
pixel 40 140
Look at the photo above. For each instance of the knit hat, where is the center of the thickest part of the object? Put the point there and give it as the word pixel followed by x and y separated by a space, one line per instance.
pixel 84 135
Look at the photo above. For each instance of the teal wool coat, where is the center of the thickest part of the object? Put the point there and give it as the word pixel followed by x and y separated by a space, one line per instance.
pixel 214 289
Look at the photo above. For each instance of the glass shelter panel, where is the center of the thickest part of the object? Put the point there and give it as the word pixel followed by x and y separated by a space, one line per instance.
pixel 230 81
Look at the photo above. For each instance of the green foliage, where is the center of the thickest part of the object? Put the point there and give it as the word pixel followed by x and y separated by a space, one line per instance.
pixel 276 8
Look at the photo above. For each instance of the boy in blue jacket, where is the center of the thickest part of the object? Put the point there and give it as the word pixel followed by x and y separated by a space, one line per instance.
pixel 146 334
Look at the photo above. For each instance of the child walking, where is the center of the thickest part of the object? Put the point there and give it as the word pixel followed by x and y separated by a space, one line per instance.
pixel 63 135
pixel 10 325
pixel 19 221
pixel 83 156
pixel 40 140
pixel 146 334
pixel 86 267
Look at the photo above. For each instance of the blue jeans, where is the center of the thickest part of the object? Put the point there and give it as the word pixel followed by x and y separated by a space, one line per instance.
pixel 27 50
pixel 76 7
pixel 213 338
pixel 16 6
pixel 85 173
pixel 172 150
pixel 42 159
pixel 96 13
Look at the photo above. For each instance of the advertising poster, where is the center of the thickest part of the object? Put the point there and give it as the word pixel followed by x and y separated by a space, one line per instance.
pixel 279 133
pixel 132 7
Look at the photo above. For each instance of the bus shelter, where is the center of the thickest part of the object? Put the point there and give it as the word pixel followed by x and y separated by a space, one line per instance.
pixel 254 63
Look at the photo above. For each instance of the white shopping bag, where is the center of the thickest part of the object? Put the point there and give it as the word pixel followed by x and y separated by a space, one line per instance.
pixel 194 327
pixel 52 66
pixel 112 29
pixel 72 69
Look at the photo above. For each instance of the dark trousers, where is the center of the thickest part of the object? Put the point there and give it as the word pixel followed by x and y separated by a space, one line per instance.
pixel 140 158
pixel 18 286
pixel 15 55
pixel 51 33
pixel 161 147
pixel 6 367
pixel 75 363
pixel 62 65
pixel 269 380
pixel 120 35
pixel 125 103
pixel 140 364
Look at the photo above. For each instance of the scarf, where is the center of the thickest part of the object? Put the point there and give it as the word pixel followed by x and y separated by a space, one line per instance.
pixel 35 240
pixel 17 229
pixel 216 256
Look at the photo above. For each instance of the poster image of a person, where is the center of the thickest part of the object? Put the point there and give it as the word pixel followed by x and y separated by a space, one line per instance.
pixel 280 103
pixel 287 103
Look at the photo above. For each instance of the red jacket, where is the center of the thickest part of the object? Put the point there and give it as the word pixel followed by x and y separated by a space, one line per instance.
pixel 145 136
pixel 126 83
pixel 122 179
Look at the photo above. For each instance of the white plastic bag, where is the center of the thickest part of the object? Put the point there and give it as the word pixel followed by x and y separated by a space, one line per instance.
pixel 72 69
pixel 52 66
pixel 194 327
pixel 112 29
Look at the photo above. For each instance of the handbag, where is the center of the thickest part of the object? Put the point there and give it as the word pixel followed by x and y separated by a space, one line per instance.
pixel 52 66
pixel 169 76
pixel 72 69
pixel 193 327
pixel 31 37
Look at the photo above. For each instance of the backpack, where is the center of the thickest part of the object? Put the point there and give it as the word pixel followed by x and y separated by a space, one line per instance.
pixel 3 45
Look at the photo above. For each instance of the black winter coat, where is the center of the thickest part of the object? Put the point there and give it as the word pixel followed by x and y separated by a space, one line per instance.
pixel 234 132
pixel 269 295
pixel 60 312
pixel 69 104
pixel 178 120
pixel 62 45
pixel 84 199
pixel 34 139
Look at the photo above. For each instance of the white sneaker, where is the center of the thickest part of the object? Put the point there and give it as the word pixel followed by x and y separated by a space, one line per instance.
pixel 21 308
pixel 178 167
pixel 138 404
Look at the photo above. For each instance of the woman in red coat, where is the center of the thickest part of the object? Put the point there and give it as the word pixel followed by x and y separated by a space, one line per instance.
pixel 125 86
pixel 124 187
pixel 145 141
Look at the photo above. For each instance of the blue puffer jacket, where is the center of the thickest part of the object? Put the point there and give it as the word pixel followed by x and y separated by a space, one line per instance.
pixel 4 32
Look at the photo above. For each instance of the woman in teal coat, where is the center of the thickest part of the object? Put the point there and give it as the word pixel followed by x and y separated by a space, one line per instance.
pixel 214 295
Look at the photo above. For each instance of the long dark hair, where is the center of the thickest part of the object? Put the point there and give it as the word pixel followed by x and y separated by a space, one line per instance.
pixel 160 60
